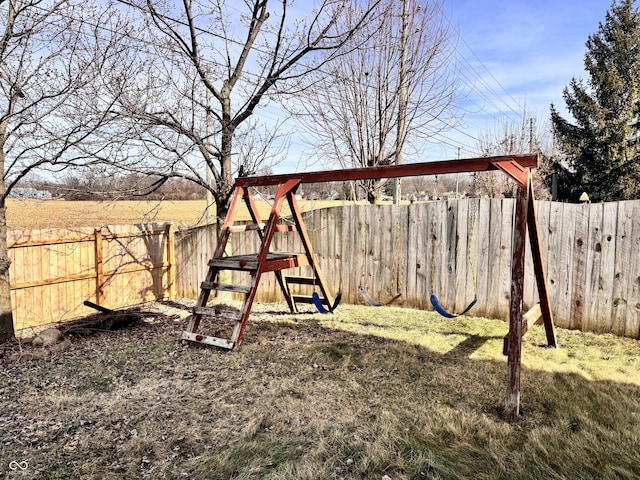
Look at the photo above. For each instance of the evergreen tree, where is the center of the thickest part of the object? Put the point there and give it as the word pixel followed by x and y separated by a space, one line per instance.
pixel 601 146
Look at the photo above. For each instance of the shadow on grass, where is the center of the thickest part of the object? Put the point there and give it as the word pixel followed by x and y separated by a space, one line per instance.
pixel 303 400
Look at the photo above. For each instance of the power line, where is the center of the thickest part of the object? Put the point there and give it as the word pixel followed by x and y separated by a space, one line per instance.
pixel 465 68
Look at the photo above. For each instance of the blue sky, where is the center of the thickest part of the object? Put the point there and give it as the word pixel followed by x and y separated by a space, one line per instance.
pixel 517 55
pixel 514 56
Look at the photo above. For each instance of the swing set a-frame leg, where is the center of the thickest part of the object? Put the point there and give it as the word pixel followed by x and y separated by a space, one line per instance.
pixel 525 215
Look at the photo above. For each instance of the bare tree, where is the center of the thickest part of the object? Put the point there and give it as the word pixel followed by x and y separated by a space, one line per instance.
pixel 352 108
pixel 204 68
pixel 48 63
pixel 511 137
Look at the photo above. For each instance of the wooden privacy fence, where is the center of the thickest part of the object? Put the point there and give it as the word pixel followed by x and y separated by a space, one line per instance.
pixel 54 271
pixel 592 255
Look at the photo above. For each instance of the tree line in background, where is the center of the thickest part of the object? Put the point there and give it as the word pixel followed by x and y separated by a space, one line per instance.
pixel 94 187
pixel 90 186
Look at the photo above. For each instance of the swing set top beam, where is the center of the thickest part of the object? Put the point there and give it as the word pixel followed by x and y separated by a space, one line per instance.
pixel 510 164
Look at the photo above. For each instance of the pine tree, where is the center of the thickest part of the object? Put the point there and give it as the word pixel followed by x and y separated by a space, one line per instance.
pixel 602 145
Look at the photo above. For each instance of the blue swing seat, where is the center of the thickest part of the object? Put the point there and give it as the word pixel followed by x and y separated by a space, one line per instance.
pixel 317 301
pixel 440 309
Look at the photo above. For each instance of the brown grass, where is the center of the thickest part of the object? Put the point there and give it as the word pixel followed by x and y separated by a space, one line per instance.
pixel 360 394
pixel 36 214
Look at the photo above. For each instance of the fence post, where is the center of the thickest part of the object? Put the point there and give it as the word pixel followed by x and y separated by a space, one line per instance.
pixel 171 260
pixel 98 267
pixel 514 354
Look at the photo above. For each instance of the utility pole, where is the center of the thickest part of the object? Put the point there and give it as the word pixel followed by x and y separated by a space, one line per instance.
pixel 402 100
pixel 457 196
pixel 209 176
pixel 531 142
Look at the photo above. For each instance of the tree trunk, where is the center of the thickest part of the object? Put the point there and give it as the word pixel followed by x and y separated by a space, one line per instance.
pixel 6 316
pixel 225 186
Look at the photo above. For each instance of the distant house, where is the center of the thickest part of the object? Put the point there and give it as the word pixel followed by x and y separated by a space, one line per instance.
pixel 455 195
pixel 30 193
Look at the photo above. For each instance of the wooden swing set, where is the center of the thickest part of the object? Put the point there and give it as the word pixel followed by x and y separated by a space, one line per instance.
pixel 517 167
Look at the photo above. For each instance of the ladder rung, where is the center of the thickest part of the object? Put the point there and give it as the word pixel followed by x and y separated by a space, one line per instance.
pixel 274 261
pixel 295 280
pixel 304 299
pixel 283 260
pixel 242 262
pixel 286 228
pixel 245 228
pixel 213 341
pixel 224 287
pixel 217 313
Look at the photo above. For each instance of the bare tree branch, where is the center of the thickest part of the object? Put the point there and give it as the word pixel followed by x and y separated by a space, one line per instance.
pixel 351 106
pixel 202 70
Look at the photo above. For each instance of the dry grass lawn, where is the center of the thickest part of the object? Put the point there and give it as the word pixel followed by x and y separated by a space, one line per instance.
pixel 364 393
pixel 35 214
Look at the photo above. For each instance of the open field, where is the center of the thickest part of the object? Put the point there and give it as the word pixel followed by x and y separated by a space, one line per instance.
pixel 35 214
pixel 364 393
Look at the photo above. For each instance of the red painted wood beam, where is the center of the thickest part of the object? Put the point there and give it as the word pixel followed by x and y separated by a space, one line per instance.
pixel 539 269
pixel 514 352
pixel 515 163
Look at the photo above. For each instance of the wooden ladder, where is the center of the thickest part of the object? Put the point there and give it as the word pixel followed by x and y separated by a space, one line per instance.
pixel 254 265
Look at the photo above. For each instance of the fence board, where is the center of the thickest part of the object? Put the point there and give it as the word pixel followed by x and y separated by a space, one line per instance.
pixel 449 249
pixel 542 214
pixel 481 252
pixel 473 234
pixel 632 324
pixel 412 262
pixel 493 265
pixel 463 269
pixel 439 263
pixel 594 258
pixel 592 254
pixel 579 272
pixel 503 295
pixel 53 271
pixel 607 263
pixel 554 258
pixel 425 255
